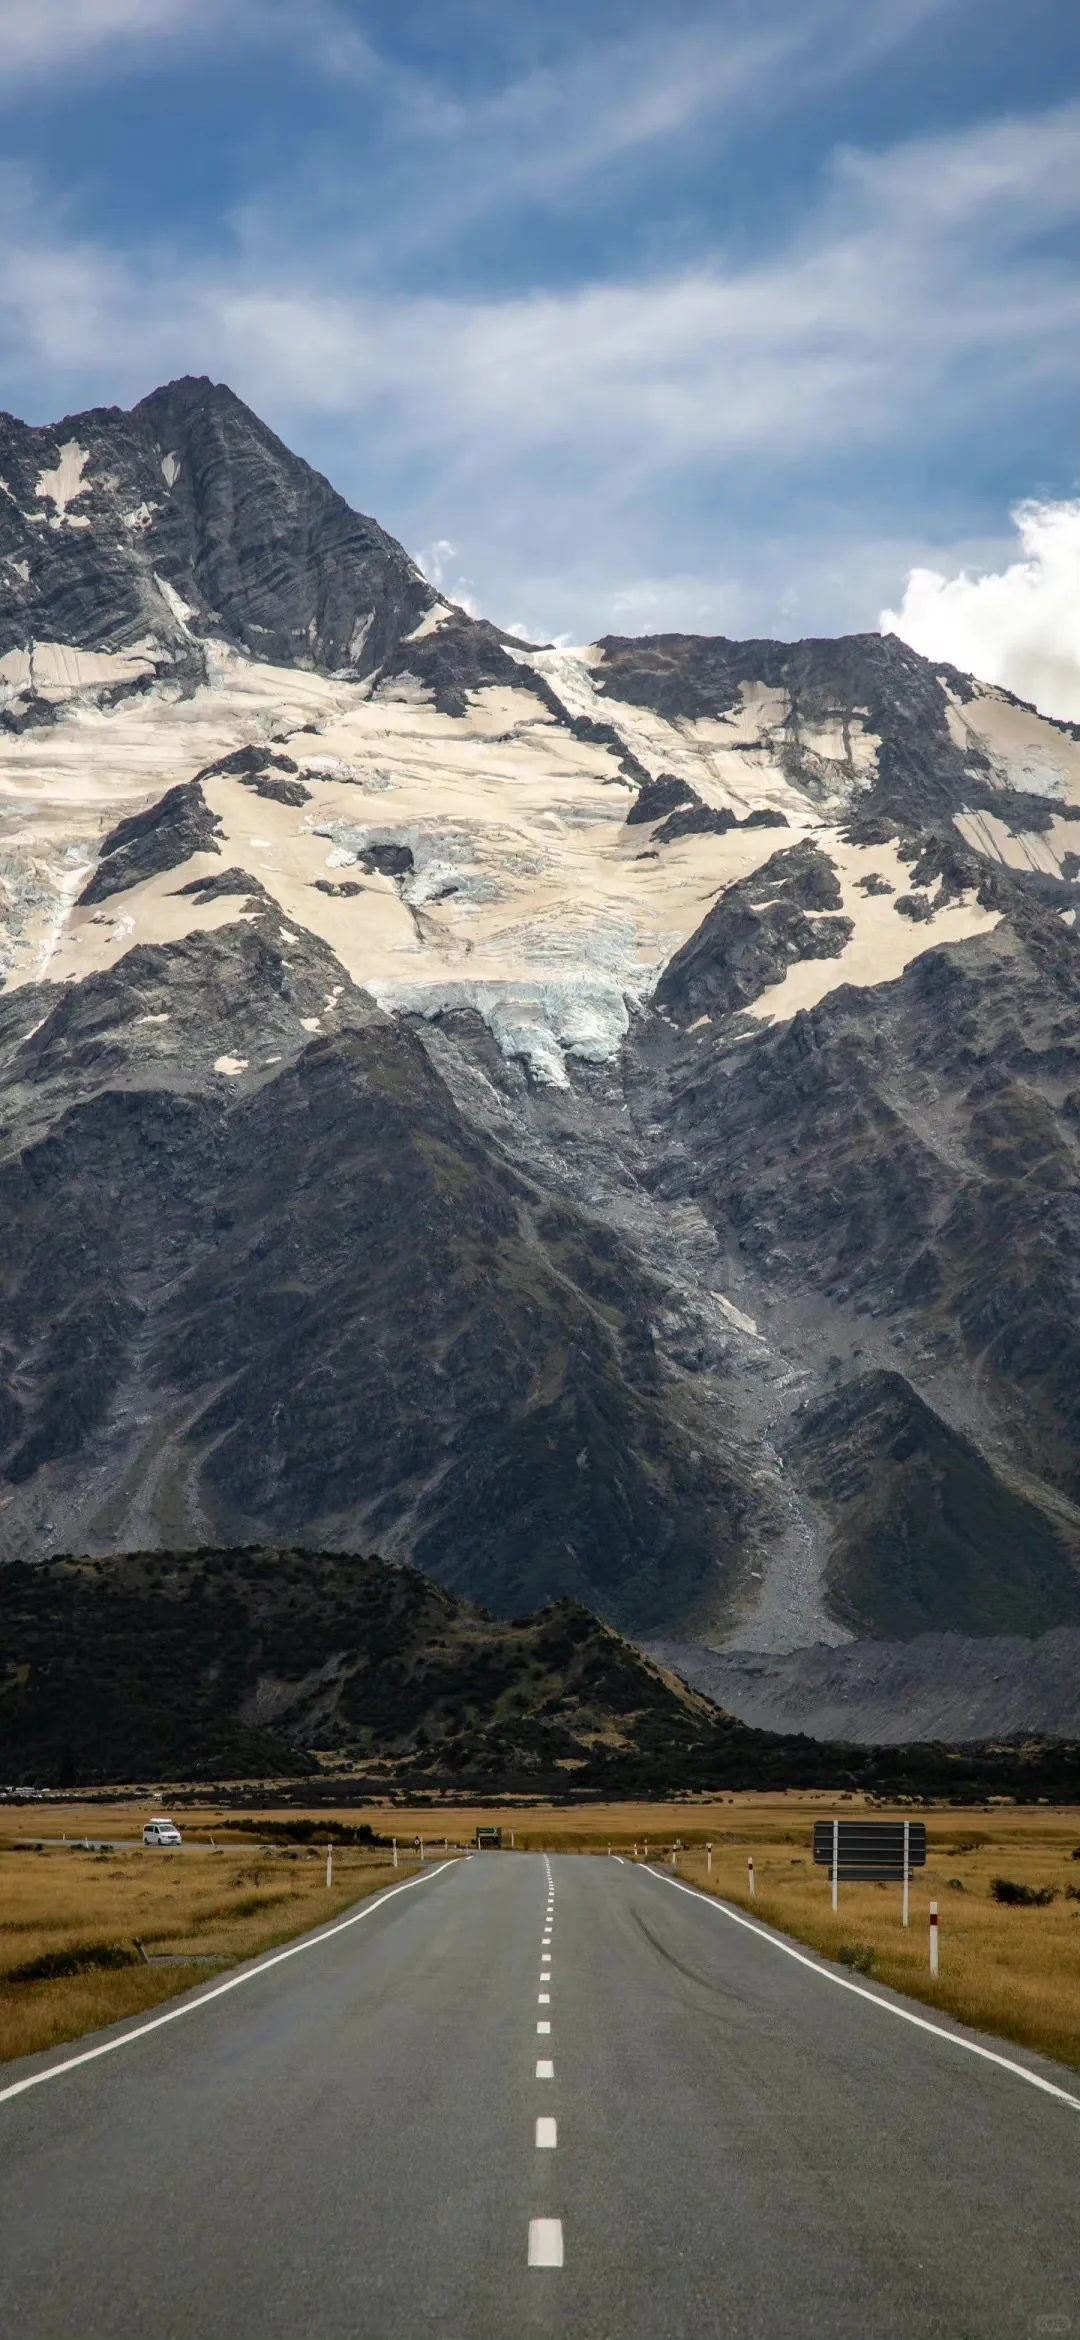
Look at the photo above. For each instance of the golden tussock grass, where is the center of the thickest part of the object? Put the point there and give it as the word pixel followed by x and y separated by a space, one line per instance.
pixel 195 1903
pixel 1015 1972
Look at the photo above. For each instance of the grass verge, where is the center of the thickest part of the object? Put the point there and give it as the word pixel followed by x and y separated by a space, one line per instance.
pixel 1011 1970
pixel 64 1909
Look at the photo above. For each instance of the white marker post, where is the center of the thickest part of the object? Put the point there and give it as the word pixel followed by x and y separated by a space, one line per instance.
pixel 907 1865
pixel 933 1938
pixel 708 1857
pixel 646 1848
pixel 329 1866
pixel 420 1842
pixel 750 1875
pixel 835 1863
pixel 393 1841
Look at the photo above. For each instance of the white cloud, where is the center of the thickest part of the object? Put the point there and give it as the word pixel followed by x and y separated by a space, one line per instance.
pixel 883 319
pixel 573 439
pixel 437 565
pixel 48 39
pixel 1019 627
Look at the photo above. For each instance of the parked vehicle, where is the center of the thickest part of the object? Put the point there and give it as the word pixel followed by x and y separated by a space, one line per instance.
pixel 161 1831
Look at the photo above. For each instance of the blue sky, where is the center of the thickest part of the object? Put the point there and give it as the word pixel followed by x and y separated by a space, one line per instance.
pixel 623 317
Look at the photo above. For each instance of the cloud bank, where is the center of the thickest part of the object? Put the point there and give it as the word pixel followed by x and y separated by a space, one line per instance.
pixel 492 311
pixel 1019 627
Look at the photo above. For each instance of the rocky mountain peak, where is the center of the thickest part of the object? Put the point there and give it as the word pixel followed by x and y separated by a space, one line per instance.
pixel 188 518
pixel 595 1123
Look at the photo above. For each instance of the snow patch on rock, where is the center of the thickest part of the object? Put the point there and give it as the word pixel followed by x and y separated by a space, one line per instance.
pixel 61 485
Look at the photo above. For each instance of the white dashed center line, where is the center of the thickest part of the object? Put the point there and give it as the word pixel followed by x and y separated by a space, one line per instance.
pixel 545 2242
pixel 545 2234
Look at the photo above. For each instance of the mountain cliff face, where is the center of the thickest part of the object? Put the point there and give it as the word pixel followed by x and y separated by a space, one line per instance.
pixel 599 1124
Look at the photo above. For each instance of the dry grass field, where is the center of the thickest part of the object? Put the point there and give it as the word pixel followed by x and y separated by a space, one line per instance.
pixel 1010 1970
pixel 78 1910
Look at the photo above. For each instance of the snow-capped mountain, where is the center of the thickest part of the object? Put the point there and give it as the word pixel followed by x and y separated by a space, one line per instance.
pixel 598 1121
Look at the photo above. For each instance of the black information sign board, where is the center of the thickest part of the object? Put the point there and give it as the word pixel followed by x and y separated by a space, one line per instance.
pixel 870 1848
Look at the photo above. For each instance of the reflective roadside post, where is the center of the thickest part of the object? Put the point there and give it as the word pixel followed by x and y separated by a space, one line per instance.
pixel 750 1874
pixel 907 1865
pixel 393 1841
pixel 836 1864
pixel 708 1858
pixel 933 1938
pixel 329 1866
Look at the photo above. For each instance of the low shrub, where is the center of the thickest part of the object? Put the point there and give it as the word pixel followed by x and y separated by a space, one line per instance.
pixel 1021 1896
pixel 861 1956
pixel 79 1958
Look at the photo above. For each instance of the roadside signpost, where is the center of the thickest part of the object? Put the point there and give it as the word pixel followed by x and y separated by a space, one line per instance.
pixel 881 1851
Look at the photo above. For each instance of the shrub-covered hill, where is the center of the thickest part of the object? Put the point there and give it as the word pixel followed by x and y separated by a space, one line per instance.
pixel 236 1663
pixel 264 1662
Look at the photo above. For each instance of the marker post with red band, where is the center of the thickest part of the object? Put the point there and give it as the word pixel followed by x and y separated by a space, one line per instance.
pixel 750 1874
pixel 933 1938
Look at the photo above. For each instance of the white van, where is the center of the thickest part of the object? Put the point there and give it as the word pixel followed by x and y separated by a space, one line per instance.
pixel 161 1831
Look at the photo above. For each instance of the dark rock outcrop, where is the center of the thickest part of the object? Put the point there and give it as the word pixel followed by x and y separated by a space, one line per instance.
pixel 928 1534
pixel 656 798
pixel 166 835
pixel 922 775
pixel 755 931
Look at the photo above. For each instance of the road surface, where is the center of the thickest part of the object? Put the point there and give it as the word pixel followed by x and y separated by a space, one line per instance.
pixel 346 2146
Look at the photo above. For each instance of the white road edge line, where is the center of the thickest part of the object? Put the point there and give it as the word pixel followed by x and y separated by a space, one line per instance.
pixel 921 2022
pixel 192 2006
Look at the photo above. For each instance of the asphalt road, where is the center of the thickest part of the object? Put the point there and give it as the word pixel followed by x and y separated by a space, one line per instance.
pixel 346 2148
